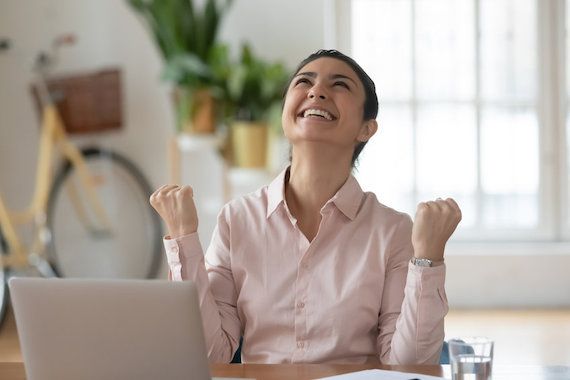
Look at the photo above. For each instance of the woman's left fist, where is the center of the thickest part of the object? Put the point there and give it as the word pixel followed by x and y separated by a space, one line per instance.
pixel 434 223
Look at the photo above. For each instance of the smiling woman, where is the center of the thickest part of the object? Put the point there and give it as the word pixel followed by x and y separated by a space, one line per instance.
pixel 311 268
pixel 352 82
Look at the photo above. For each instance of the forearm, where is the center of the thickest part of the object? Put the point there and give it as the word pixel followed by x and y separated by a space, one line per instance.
pixel 419 330
pixel 220 322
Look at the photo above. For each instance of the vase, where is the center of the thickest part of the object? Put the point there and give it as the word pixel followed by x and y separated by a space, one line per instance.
pixel 249 144
pixel 196 111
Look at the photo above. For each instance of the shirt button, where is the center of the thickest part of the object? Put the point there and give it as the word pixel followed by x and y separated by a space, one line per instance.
pixel 300 344
pixel 174 249
pixel 301 305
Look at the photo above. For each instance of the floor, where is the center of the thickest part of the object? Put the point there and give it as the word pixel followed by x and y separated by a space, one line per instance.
pixel 9 346
pixel 521 337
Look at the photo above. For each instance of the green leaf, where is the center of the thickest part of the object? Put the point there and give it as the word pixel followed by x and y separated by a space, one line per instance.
pixel 187 69
pixel 236 82
pixel 254 85
pixel 178 27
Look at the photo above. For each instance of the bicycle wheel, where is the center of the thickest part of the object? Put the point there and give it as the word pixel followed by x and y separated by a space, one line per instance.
pixel 80 246
pixel 3 281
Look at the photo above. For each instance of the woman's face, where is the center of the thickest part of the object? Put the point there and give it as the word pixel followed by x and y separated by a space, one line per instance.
pixel 325 103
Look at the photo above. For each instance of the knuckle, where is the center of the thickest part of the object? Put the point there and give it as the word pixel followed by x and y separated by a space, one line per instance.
pixel 422 207
pixel 189 189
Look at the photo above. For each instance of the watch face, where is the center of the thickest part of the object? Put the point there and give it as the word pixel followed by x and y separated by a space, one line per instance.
pixel 422 262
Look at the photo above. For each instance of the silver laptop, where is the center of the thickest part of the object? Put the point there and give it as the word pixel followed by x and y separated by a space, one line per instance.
pixel 109 329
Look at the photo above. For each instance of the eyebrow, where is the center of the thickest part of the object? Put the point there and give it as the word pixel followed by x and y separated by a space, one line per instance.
pixel 313 74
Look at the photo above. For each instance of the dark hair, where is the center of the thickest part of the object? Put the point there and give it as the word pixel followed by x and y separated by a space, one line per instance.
pixel 370 97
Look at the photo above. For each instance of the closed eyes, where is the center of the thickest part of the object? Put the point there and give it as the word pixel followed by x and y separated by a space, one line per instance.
pixel 336 83
pixel 342 84
pixel 302 80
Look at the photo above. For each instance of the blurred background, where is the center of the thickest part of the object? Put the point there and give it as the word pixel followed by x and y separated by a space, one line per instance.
pixel 473 105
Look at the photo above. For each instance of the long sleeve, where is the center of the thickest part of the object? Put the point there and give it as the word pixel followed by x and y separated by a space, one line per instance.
pixel 216 289
pixel 414 304
pixel 347 296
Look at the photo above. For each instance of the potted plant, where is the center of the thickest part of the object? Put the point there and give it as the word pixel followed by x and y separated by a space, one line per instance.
pixel 253 91
pixel 187 39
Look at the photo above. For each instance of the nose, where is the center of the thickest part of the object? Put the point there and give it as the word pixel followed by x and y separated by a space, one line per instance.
pixel 317 92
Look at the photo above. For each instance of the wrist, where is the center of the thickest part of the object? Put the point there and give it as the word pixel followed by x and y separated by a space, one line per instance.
pixel 178 233
pixel 433 254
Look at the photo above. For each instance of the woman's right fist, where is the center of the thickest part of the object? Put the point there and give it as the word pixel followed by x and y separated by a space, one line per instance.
pixel 175 205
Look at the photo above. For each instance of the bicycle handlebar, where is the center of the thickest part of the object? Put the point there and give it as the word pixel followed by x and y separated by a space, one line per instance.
pixel 46 60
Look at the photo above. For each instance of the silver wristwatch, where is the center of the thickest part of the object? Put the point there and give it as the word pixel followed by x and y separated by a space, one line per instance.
pixel 422 262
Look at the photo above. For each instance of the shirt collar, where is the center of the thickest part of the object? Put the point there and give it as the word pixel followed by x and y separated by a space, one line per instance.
pixel 276 192
pixel 347 199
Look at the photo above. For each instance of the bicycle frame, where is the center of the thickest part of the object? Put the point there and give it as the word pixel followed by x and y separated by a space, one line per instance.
pixel 53 137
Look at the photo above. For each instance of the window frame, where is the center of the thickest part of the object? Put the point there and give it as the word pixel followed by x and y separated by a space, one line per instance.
pixel 552 108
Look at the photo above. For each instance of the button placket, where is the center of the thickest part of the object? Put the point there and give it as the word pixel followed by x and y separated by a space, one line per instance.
pixel 301 288
pixel 305 249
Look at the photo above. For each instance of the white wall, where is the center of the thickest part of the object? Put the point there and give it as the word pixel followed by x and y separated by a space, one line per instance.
pixel 109 34
pixel 283 30
pixel 508 276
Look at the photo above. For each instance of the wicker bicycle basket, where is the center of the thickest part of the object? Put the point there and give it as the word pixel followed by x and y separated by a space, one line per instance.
pixel 87 102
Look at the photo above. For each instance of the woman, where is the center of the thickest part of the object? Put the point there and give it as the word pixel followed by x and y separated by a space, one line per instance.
pixel 310 268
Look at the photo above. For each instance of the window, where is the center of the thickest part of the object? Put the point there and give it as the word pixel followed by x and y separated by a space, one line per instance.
pixel 467 91
pixel 566 113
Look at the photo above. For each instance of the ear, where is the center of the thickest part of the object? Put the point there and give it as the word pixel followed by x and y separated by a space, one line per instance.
pixel 367 130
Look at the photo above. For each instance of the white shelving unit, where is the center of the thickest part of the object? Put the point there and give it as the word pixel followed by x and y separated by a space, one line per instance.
pixel 195 160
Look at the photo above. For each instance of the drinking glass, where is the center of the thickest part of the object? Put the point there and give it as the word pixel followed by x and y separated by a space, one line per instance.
pixel 471 358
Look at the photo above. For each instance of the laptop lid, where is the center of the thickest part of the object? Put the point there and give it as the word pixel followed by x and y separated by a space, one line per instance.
pixel 109 329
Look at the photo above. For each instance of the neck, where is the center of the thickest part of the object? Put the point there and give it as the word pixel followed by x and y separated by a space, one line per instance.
pixel 316 174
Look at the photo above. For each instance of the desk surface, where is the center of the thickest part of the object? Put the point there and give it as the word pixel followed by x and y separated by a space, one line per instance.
pixel 15 371
pixel 307 371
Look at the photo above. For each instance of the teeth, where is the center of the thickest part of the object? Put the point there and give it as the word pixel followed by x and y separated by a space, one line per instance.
pixel 316 112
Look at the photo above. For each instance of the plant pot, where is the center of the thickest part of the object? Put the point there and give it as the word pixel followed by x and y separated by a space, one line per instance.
pixel 249 144
pixel 196 111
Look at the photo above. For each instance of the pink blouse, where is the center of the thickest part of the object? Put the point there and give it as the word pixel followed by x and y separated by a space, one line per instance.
pixel 349 296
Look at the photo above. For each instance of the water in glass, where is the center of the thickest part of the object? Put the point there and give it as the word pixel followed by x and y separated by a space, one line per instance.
pixel 471 367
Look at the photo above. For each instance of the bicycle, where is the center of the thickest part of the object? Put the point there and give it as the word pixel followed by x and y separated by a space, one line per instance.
pixel 88 215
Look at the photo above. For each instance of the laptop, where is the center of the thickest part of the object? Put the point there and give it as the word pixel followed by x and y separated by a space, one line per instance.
pixel 109 329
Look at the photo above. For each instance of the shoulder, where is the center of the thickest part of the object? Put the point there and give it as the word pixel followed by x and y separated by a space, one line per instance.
pixel 392 227
pixel 386 223
pixel 247 207
pixel 373 208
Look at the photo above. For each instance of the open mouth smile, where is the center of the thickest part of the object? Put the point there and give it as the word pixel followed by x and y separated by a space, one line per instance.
pixel 315 113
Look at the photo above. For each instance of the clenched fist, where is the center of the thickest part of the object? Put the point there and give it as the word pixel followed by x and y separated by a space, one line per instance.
pixel 434 223
pixel 175 205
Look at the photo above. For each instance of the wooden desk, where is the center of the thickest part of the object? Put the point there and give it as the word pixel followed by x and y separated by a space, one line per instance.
pixel 307 371
pixel 15 371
